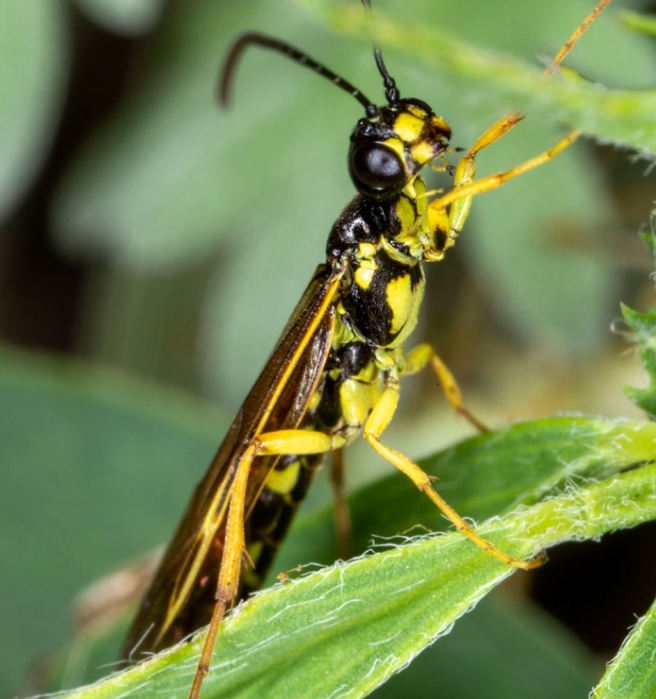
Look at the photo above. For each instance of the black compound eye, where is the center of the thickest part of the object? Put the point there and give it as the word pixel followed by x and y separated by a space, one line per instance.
pixel 378 167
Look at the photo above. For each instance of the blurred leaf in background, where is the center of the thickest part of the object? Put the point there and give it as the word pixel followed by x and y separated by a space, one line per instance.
pixel 144 230
pixel 156 190
pixel 34 57
pixel 130 17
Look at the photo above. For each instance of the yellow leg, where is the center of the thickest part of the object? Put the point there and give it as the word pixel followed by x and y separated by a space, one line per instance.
pixel 417 359
pixel 272 443
pixel 449 212
pixel 376 424
pixel 465 172
pixel 576 35
pixel 230 571
pixel 451 221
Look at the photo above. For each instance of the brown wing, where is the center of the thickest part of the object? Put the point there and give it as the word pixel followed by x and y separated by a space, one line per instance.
pixel 278 400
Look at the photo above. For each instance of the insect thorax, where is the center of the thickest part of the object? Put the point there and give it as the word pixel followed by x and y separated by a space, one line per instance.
pixel 380 245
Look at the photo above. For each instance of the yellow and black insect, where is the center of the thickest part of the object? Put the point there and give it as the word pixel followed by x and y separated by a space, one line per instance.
pixel 336 370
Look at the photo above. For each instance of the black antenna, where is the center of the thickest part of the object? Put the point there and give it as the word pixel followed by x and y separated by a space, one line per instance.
pixel 391 91
pixel 268 42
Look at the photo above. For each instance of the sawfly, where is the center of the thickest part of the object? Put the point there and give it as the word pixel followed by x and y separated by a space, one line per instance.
pixel 336 370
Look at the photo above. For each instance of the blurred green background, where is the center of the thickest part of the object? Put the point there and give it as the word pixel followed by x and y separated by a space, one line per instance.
pixel 152 247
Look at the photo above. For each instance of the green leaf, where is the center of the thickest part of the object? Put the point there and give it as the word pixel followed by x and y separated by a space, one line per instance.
pixel 348 627
pixel 152 189
pixel 124 16
pixel 621 117
pixel 645 24
pixel 33 59
pixel 502 639
pixel 643 329
pixel 97 433
pixel 95 469
pixel 503 635
pixel 368 617
pixel 632 673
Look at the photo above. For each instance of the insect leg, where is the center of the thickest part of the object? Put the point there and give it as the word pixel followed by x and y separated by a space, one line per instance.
pixel 378 420
pixel 271 443
pixel 448 213
pixel 342 516
pixel 227 587
pixel 465 188
pixel 424 354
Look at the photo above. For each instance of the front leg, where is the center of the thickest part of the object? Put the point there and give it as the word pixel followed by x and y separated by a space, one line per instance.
pixel 447 214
